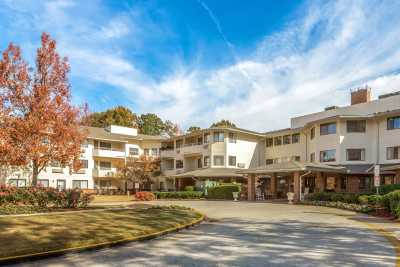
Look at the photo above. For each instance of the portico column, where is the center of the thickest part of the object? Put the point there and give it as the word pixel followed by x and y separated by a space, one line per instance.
pixel 251 187
pixel 296 184
pixel 397 181
pixel 319 182
pixel 273 185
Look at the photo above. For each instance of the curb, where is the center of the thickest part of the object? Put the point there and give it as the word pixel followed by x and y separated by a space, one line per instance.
pixel 144 237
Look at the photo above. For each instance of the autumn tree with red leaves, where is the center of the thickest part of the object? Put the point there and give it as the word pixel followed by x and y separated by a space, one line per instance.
pixel 38 123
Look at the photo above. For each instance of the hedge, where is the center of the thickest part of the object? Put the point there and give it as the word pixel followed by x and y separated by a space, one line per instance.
pixel 334 197
pixel 387 188
pixel 222 191
pixel 391 202
pixel 179 195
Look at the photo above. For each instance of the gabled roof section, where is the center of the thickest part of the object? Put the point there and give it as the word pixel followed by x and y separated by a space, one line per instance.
pixel 103 134
pixel 210 172
pixel 293 166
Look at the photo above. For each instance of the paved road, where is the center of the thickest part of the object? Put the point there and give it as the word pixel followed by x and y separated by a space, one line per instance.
pixel 251 234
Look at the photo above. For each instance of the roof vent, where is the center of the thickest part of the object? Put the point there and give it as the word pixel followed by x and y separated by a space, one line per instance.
pixel 331 108
pixel 389 95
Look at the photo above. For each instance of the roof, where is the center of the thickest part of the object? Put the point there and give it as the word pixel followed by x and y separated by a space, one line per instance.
pixel 391 168
pixel 210 172
pixel 293 166
pixel 359 168
pixel 103 134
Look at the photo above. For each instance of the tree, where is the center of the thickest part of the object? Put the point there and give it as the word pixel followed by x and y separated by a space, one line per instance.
pixel 38 123
pixel 151 124
pixel 192 129
pixel 224 123
pixel 119 115
pixel 139 170
pixel 171 129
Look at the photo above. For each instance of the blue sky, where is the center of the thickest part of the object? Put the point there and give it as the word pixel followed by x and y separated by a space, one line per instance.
pixel 257 62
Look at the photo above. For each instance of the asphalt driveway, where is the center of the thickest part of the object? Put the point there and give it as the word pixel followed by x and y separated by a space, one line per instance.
pixel 250 234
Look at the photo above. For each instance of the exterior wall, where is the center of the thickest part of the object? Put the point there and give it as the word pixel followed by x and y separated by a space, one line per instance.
pixel 288 151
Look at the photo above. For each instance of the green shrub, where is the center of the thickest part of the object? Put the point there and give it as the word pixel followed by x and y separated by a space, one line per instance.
pixel 179 195
pixel 189 188
pixel 391 202
pixel 222 191
pixel 334 197
pixel 387 188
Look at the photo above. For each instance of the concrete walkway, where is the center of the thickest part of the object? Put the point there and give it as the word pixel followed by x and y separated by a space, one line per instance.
pixel 254 234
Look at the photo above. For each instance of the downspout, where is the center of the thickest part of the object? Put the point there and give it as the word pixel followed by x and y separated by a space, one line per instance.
pixel 301 177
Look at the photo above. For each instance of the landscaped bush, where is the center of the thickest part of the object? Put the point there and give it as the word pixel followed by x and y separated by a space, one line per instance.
pixel 222 191
pixel 144 196
pixel 387 188
pixel 334 197
pixel 340 205
pixel 189 188
pixel 179 195
pixel 391 202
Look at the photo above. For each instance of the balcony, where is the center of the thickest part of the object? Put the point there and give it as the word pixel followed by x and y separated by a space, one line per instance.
pixel 167 153
pixel 195 149
pixel 105 173
pixel 109 153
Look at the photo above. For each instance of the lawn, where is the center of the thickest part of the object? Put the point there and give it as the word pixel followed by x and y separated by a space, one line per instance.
pixel 42 233
pixel 112 198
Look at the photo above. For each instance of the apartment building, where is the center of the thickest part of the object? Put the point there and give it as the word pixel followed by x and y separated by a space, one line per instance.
pixel 105 150
pixel 338 148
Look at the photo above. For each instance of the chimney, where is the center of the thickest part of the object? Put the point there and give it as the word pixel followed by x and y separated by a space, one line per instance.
pixel 361 95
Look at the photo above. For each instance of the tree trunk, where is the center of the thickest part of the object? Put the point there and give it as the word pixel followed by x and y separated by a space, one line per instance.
pixel 35 174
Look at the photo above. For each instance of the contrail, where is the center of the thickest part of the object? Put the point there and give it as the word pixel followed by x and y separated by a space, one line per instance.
pixel 229 44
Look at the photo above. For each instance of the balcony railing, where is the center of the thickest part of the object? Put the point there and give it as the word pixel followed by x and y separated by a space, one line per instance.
pixel 109 152
pixel 112 172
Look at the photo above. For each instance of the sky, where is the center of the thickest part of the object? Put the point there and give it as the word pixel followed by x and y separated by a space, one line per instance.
pixel 257 63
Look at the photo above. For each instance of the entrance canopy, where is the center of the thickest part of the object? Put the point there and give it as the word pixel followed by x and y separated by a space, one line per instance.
pixel 210 173
pixel 391 168
pixel 293 166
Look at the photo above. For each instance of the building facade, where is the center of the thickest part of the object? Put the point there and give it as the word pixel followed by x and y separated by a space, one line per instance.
pixel 105 150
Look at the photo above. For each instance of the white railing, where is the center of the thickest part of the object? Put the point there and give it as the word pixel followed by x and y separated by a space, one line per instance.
pixel 109 153
pixel 112 172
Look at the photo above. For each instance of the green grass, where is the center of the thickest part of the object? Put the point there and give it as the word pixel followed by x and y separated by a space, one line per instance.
pixel 42 233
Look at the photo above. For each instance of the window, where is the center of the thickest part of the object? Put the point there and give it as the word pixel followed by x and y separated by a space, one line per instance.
pixel 219 160
pixel 61 184
pixel 312 157
pixel 393 123
pixel 105 165
pixel 105 145
pixel 312 134
pixel 343 183
pixel 84 163
pixel 199 163
pixel 133 151
pixel 286 140
pixel 393 152
pixel 206 138
pixel 364 183
pixel 81 184
pixel 179 143
pixel 327 128
pixel 43 182
pixel 179 164
pixel 357 154
pixel 218 137
pixel 146 152
pixel 154 152
pixel 269 161
pixel 17 182
pixel 356 126
pixel 232 138
pixel 327 155
pixel 269 142
pixel 296 158
pixel 206 161
pixel 295 138
pixel 278 140
pixel 232 161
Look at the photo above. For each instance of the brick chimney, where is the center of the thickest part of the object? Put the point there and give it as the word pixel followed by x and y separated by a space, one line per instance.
pixel 361 95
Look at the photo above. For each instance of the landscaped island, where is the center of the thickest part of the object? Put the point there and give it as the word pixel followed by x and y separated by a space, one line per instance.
pixel 59 232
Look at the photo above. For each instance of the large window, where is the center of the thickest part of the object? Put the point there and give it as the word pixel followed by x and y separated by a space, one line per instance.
pixel 312 133
pixel 17 182
pixel 295 138
pixel 81 184
pixel 105 165
pixel 269 161
pixel 356 126
pixel 61 184
pixel 232 138
pixel 393 123
pixel 133 151
pixel 312 157
pixel 105 145
pixel 269 142
pixel 365 183
pixel 286 139
pixel 179 164
pixel 327 128
pixel 277 140
pixel 393 152
pixel 206 161
pixel 219 160
pixel 355 154
pixel 218 137
pixel 327 155
pixel 232 161
pixel 43 182
pixel 154 152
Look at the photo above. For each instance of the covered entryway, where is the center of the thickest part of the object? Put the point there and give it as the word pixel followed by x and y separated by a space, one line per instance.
pixel 297 177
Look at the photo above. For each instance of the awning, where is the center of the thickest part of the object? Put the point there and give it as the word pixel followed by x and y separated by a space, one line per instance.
pixel 293 166
pixel 391 168
pixel 210 172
